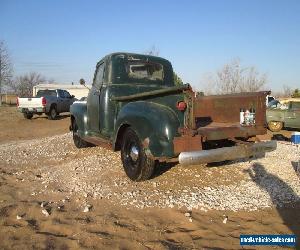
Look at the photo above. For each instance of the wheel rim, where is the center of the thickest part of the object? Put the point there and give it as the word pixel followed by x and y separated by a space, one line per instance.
pixel 132 155
pixel 275 125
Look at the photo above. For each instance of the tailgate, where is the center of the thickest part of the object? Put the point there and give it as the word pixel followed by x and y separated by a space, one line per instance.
pixel 30 102
pixel 218 117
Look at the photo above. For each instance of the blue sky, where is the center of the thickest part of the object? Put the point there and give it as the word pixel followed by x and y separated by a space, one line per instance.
pixel 63 40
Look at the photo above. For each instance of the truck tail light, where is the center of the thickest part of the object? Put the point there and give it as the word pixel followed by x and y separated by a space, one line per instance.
pixel 17 101
pixel 44 102
pixel 181 106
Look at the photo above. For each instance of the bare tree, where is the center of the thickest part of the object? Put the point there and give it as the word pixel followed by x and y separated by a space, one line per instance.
pixel 233 78
pixel 6 69
pixel 153 51
pixel 23 85
pixel 287 91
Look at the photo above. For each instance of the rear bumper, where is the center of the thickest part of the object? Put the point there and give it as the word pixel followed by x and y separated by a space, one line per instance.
pixel 32 110
pixel 226 153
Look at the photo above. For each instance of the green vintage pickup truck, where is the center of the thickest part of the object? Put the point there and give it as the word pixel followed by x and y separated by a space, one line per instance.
pixel 134 106
pixel 284 114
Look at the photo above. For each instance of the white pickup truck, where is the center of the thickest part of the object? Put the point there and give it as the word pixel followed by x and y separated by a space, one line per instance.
pixel 50 102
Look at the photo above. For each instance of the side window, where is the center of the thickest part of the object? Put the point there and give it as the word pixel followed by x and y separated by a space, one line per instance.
pixel 60 93
pixel 99 76
pixel 67 94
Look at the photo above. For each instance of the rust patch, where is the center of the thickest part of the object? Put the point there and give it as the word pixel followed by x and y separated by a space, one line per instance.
pixel 218 117
pixel 187 143
pixel 146 142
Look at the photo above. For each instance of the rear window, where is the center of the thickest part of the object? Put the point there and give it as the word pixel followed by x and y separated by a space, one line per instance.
pixel 141 69
pixel 145 71
pixel 46 92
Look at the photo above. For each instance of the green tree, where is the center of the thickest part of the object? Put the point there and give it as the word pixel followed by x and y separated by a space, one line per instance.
pixel 296 93
pixel 177 79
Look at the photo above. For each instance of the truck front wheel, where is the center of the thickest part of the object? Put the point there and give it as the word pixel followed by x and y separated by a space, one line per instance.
pixel 137 165
pixel 275 126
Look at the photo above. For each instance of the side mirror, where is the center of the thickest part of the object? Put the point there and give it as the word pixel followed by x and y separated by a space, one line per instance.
pixel 82 81
pixel 72 96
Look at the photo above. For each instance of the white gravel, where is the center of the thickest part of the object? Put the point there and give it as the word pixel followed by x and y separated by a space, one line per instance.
pixel 55 165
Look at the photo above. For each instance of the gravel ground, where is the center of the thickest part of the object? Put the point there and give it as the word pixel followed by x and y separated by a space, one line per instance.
pixel 55 165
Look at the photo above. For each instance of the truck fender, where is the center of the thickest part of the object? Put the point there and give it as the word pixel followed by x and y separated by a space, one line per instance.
pixel 155 124
pixel 79 113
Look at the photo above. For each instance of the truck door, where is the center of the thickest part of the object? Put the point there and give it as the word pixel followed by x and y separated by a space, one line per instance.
pixel 292 115
pixel 67 101
pixel 93 100
pixel 60 101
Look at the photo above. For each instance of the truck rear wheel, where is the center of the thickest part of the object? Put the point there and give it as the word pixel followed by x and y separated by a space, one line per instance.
pixel 52 113
pixel 275 126
pixel 137 165
pixel 79 143
pixel 28 115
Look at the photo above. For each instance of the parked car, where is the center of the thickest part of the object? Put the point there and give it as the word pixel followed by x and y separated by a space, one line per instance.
pixel 284 113
pixel 50 102
pixel 135 107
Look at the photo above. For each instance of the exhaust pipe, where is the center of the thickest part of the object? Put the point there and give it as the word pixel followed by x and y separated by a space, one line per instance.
pixel 226 153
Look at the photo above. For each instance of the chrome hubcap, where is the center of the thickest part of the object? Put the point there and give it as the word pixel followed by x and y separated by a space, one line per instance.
pixel 134 153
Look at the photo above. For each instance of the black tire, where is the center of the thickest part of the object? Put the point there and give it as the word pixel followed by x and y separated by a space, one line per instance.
pixel 137 165
pixel 28 115
pixel 52 115
pixel 275 126
pixel 79 143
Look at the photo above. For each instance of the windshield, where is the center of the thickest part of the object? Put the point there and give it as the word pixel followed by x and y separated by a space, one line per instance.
pixel 46 92
pixel 275 104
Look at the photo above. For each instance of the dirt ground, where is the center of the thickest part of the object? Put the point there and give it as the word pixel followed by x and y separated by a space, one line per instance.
pixel 13 126
pixel 41 207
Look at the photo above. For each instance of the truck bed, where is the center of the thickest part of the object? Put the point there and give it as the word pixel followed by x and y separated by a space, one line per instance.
pixel 218 117
pixel 221 130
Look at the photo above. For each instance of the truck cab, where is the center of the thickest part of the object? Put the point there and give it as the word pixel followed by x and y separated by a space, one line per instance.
pixel 134 106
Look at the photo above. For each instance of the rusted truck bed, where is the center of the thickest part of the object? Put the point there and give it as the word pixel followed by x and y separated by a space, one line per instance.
pixel 218 118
